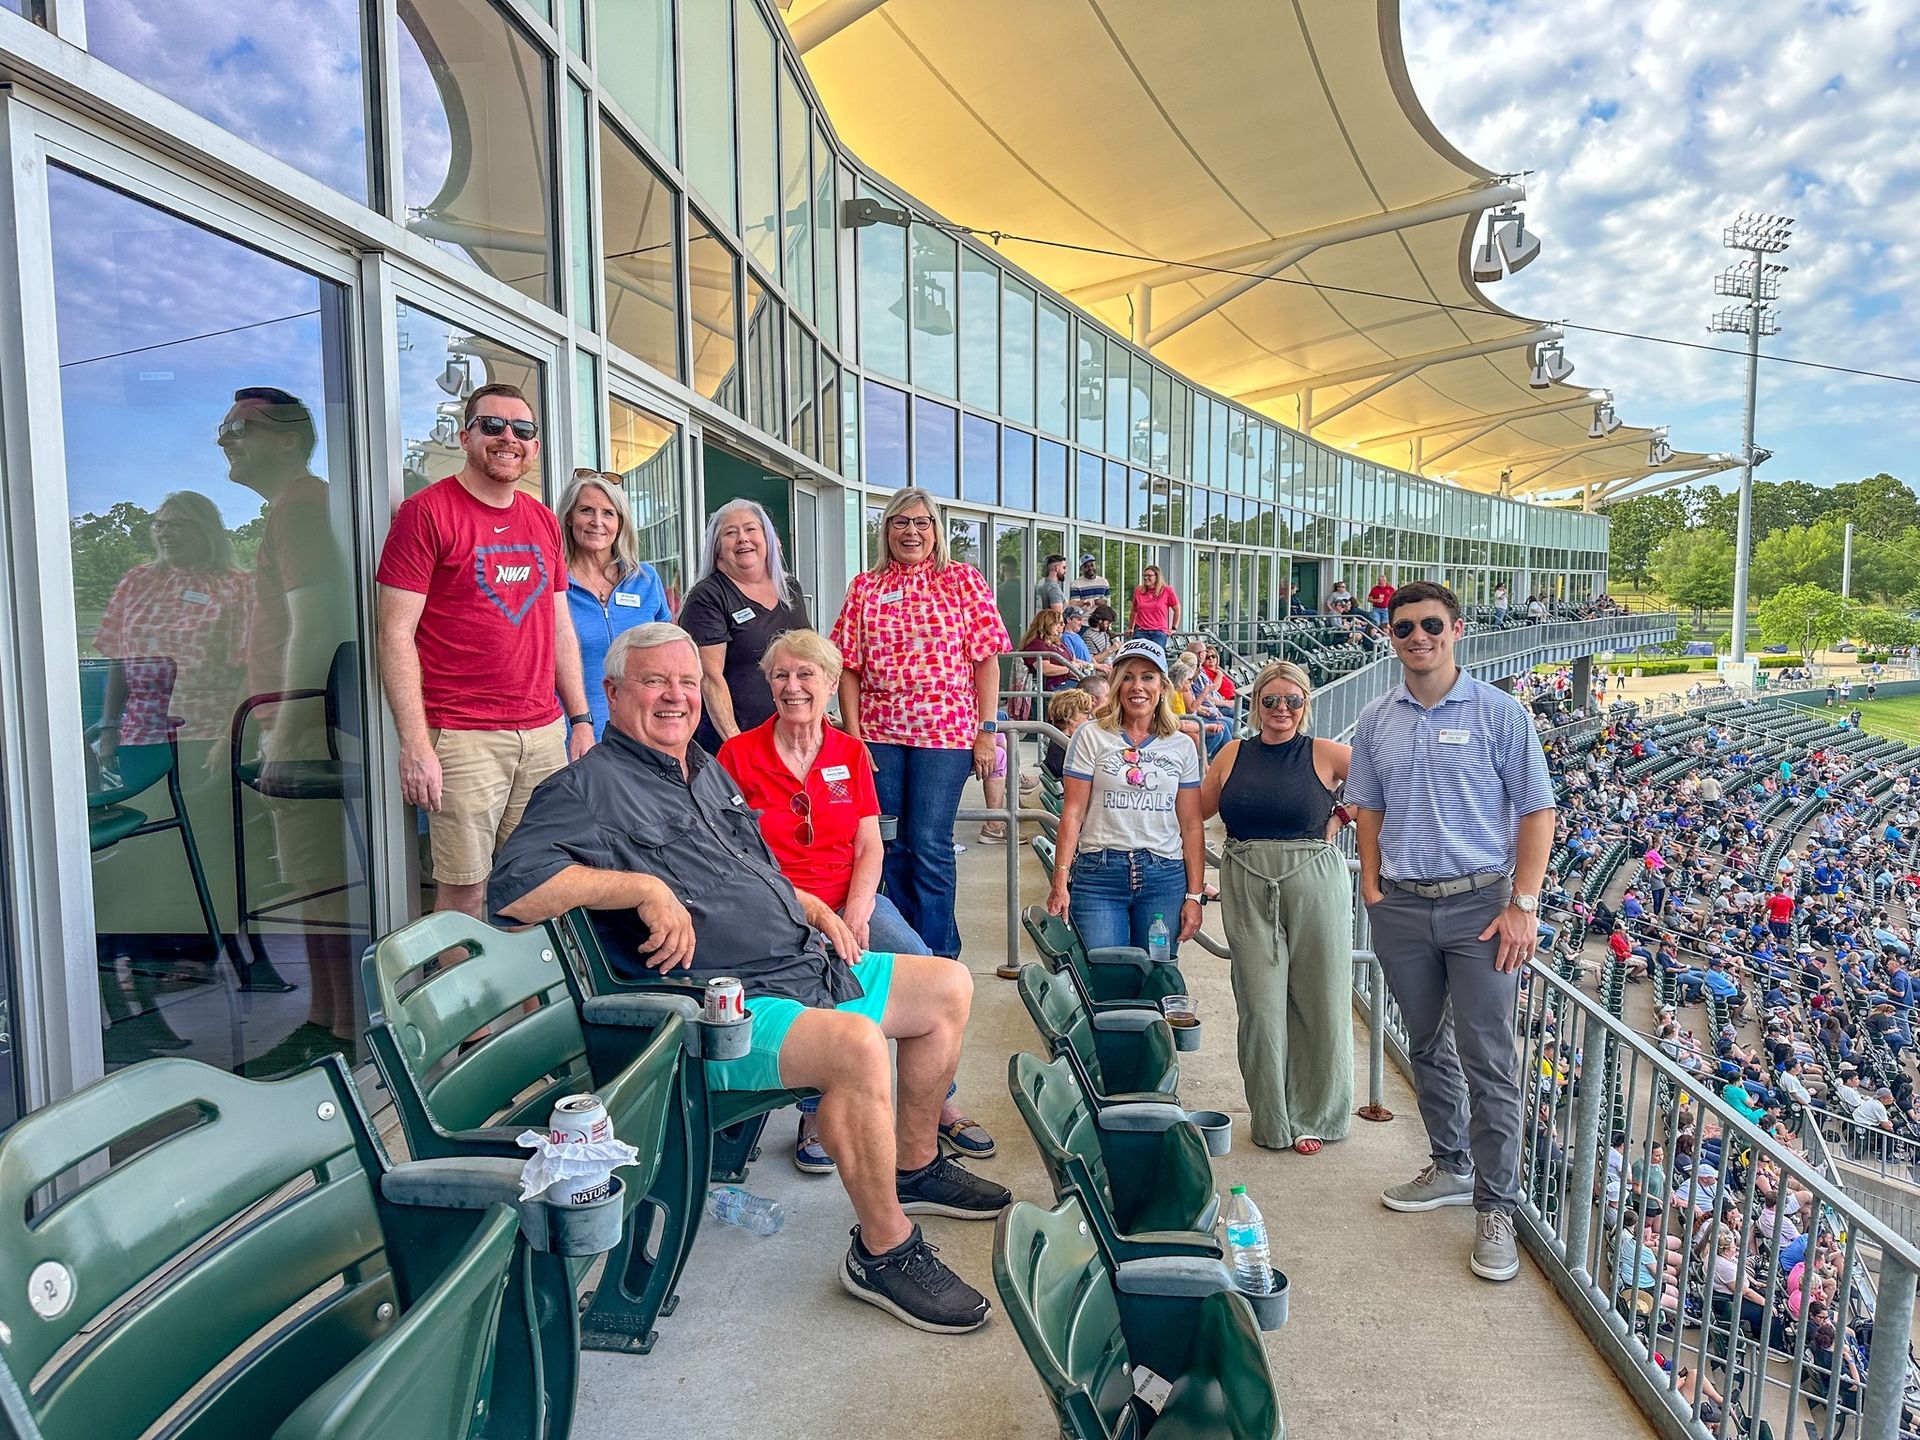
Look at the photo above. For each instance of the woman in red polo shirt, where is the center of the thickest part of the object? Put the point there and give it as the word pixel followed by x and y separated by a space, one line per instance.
pixel 820 816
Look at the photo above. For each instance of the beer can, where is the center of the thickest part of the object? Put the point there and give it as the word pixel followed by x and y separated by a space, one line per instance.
pixel 580 1120
pixel 726 1001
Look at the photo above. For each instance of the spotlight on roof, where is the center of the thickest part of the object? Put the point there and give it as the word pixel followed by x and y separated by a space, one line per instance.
pixel 1605 422
pixel 1509 246
pixel 1550 366
pixel 457 378
pixel 1659 452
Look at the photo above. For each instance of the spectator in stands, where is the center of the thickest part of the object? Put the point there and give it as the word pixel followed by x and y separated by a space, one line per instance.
pixel 610 588
pixel 1780 911
pixel 820 817
pixel 1045 655
pixel 1288 909
pixel 1072 623
pixel 1499 606
pixel 1377 599
pixel 1090 587
pixel 473 650
pixel 920 638
pixel 1536 609
pixel 1099 635
pixel 1155 610
pixel 742 598
pixel 1339 599
pixel 1051 592
pixel 1129 844
pixel 1453 847
pixel 653 839
pixel 1066 712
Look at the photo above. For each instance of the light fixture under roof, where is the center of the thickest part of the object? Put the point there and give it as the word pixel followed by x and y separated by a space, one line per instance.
pixel 1659 452
pixel 1550 366
pixel 1509 246
pixel 1605 422
pixel 457 378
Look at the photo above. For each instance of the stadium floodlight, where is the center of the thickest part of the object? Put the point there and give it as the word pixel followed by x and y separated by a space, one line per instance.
pixel 1508 248
pixel 1550 366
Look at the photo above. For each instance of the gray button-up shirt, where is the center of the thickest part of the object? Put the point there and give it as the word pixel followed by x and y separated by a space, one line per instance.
pixel 624 806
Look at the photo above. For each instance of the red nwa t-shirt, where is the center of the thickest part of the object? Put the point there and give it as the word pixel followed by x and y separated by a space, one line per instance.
pixel 490 575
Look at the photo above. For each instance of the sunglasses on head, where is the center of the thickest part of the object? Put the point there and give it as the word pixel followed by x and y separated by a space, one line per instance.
pixel 1432 624
pixel 493 426
pixel 1274 702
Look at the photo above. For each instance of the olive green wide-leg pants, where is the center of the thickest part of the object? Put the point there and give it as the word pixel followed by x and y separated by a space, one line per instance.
pixel 1288 910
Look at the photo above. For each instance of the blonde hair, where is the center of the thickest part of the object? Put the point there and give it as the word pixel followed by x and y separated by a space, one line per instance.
pixel 1165 723
pixel 905 500
pixel 1067 706
pixel 626 549
pixel 809 645
pixel 1293 675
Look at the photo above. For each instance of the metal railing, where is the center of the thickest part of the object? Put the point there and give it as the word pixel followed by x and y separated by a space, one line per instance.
pixel 1890 1156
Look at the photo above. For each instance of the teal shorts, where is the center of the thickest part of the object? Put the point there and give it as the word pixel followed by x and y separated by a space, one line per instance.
pixel 773 1017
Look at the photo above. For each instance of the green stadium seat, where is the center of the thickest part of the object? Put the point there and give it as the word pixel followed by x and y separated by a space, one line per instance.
pixel 459 1097
pixel 240 1273
pixel 1090 1328
pixel 1141 1170
pixel 1043 849
pixel 1119 1053
pixel 1120 972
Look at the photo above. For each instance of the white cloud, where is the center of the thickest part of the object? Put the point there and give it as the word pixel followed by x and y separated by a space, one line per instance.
pixel 1648 125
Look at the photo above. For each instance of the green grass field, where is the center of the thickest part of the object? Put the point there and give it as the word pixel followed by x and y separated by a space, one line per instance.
pixel 1898 718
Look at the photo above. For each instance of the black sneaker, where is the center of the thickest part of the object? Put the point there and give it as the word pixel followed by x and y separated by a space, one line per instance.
pixel 943 1188
pixel 912 1286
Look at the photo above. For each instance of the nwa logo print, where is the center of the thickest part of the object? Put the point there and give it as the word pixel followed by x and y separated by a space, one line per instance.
pixel 512 577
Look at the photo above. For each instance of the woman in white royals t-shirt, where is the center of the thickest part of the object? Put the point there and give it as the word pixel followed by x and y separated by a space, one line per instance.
pixel 1130 830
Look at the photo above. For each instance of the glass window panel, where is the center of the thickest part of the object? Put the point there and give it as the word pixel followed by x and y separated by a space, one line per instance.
pixel 1160 430
pixel 1117 505
pixel 476 154
pixel 933 448
pixel 577 27
pixel 706 40
pixel 935 338
pixel 882 257
pixel 849 425
pixel 185 568
pixel 636 221
pixel 645 453
pixel 1202 456
pixel 1177 432
pixel 979 331
pixel 829 412
pixel 1139 499
pixel 1053 376
pixel 542 8
pixel 1050 478
pixel 826 275
pixel 289 79
pixel 439 364
pixel 1088 500
pixel 979 460
pixel 1091 386
pixel 796 193
pixel 586 406
pixel 1221 417
pixel 580 196
pixel 763 359
pixel 1016 341
pixel 1016 469
pixel 1140 413
pixel 1117 369
pixel 1010 580
pixel 886 437
pixel 800 431
pixel 636 65
pixel 759 138
pixel 712 273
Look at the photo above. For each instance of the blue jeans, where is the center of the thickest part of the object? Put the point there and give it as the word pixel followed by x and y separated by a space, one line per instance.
pixel 889 931
pixel 1113 896
pixel 1379 614
pixel 922 788
pixel 1159 637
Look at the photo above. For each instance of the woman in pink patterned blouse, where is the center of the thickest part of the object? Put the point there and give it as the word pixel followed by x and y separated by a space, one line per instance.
pixel 920 635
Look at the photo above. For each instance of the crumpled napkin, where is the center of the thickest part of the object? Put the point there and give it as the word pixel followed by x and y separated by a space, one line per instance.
pixel 568 1160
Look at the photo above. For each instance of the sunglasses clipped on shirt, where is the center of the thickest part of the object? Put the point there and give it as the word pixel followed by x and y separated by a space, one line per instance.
pixel 1432 624
pixel 493 426
pixel 802 805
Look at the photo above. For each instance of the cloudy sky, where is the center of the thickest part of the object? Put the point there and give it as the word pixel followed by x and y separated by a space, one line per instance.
pixel 1650 124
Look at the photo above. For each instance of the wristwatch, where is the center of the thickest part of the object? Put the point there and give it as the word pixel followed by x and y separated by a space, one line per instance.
pixel 988 727
pixel 1196 899
pixel 1527 903
pixel 573 720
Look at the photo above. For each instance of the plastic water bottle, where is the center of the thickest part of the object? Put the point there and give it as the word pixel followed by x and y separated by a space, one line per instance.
pixel 1160 941
pixel 731 1205
pixel 1247 1244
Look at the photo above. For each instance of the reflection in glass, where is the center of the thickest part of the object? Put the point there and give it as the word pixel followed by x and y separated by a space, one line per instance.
pixel 285 75
pixel 796 194
pixel 886 427
pixel 644 452
pixel 1202 457
pixel 580 196
pixel 1088 488
pixel 979 331
pixel 1050 478
pixel 1160 452
pixel 826 285
pixel 440 364
pixel 476 119
pixel 933 448
pixel 934 338
pixel 763 359
pixel 1140 407
pixel 711 273
pixel 1091 387
pixel 1117 502
pixel 829 393
pixel 882 257
pixel 636 65
pixel 850 424
pixel 800 351
pixel 1010 582
pixel 759 139
pixel 1016 469
pixel 979 460
pixel 1182 460
pixel 1118 358
pixel 1016 347
pixel 636 223
pixel 213 598
pixel 707 60
pixel 1052 380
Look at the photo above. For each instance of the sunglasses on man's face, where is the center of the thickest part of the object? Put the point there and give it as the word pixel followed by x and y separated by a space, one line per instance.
pixel 1274 702
pixel 1432 624
pixel 494 426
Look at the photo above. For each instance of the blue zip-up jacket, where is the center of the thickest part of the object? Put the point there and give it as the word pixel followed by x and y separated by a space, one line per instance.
pixel 637 599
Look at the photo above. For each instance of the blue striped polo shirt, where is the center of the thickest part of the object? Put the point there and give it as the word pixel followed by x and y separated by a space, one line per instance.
pixel 1452 780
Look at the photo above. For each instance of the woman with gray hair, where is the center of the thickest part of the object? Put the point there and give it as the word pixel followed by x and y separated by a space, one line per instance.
pixel 610 588
pixel 1288 909
pixel 741 600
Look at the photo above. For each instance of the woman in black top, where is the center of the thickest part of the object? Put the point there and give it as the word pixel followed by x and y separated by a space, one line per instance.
pixel 1288 908
pixel 743 598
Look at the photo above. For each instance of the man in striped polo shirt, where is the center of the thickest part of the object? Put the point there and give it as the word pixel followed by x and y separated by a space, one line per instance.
pixel 1454 819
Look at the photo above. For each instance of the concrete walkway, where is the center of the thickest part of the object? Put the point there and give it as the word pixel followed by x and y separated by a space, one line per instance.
pixel 1390 1333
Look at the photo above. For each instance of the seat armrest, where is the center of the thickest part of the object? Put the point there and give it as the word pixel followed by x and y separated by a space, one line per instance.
pixel 1140 1115
pixel 1119 955
pixel 1126 1018
pixel 1179 1245
pixel 1183 1275
pixel 463 1184
pixel 642 1009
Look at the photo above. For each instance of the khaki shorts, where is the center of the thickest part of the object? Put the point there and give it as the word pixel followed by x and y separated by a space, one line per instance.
pixel 486 777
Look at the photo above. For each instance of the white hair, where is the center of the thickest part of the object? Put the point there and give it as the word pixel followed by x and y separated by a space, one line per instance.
pixel 651 636
pixel 710 545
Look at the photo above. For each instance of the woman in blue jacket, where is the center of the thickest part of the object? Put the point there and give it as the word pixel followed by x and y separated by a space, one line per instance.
pixel 610 588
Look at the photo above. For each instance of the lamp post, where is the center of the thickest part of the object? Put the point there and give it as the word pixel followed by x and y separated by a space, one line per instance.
pixel 1756 281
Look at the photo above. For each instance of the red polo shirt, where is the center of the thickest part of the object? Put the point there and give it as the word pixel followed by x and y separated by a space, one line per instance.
pixel 840 794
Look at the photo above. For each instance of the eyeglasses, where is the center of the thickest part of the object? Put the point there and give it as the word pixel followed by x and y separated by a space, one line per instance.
pixel 802 805
pixel 1274 702
pixel 1432 624
pixel 1136 775
pixel 493 426
pixel 910 522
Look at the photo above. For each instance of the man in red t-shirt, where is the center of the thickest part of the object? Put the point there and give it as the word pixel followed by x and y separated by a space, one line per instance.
pixel 1780 913
pixel 473 649
pixel 1377 599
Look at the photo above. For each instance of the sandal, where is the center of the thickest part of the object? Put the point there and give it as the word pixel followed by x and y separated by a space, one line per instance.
pixel 966 1138
pixel 1307 1145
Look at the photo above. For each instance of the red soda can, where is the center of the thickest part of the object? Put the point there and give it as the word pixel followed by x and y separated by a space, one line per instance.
pixel 726 1001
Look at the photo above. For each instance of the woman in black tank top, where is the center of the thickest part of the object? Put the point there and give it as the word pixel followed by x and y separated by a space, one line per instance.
pixel 1287 904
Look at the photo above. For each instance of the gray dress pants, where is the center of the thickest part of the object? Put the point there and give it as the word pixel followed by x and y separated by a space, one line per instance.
pixel 1459 1013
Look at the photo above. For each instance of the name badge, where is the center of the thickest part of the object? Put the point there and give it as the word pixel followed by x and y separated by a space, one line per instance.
pixel 835 772
pixel 892 597
pixel 196 597
pixel 621 597
pixel 737 800
pixel 1455 737
pixel 741 617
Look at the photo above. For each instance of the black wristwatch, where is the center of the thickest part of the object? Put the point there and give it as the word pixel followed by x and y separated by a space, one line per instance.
pixel 573 720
